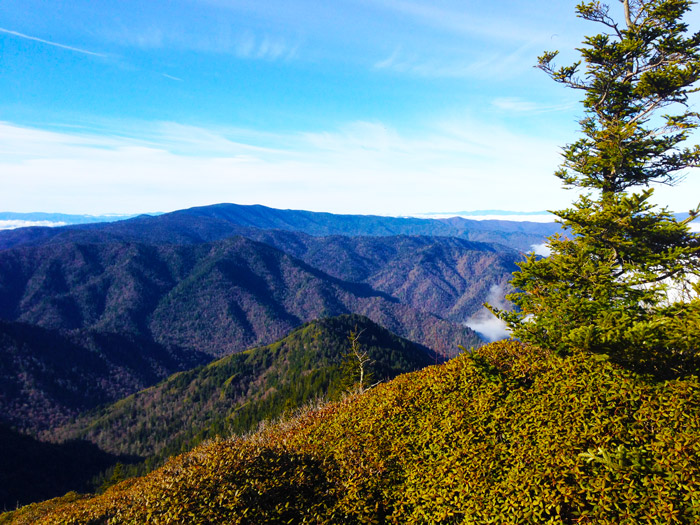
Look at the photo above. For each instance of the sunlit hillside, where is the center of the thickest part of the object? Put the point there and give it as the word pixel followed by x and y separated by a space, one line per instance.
pixel 508 434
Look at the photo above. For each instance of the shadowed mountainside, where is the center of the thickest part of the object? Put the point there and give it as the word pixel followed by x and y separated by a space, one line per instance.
pixel 31 470
pixel 48 376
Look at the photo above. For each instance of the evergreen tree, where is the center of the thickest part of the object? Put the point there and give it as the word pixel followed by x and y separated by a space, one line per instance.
pixel 622 279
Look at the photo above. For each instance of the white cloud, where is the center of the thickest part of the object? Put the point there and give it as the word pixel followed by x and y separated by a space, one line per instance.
pixel 461 162
pixel 521 217
pixel 488 326
pixel 485 323
pixel 13 224
pixel 363 167
pixel 542 249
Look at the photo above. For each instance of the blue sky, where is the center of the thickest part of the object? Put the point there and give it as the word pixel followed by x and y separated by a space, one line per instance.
pixel 391 107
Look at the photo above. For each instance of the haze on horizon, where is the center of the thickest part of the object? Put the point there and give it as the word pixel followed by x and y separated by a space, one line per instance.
pixel 387 107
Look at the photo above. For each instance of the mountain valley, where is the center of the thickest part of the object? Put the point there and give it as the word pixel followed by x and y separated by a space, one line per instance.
pixel 94 313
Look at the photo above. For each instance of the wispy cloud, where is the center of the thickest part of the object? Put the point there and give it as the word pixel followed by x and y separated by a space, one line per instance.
pixel 219 39
pixel 178 79
pixel 264 47
pixel 389 61
pixel 474 22
pixel 487 325
pixel 500 65
pixel 50 43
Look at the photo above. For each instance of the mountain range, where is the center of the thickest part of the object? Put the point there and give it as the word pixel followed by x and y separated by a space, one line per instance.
pixel 131 314
pixel 93 313
pixel 211 223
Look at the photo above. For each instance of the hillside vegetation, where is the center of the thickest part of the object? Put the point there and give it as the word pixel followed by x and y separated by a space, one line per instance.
pixel 233 394
pixel 509 434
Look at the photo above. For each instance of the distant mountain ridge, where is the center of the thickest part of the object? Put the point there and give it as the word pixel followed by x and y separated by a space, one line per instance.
pixel 210 223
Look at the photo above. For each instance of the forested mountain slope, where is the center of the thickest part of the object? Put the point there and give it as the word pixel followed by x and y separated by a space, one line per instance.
pixel 216 298
pixel 231 395
pixel 447 276
pixel 235 393
pixel 162 308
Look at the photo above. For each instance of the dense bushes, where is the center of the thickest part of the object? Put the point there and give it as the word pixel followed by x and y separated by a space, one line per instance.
pixel 507 435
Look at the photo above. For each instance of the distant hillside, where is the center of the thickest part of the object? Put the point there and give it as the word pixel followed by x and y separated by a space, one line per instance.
pixel 160 308
pixel 506 435
pixel 233 394
pixel 446 276
pixel 48 376
pixel 211 223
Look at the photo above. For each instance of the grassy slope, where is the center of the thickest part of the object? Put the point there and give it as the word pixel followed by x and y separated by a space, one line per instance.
pixel 510 435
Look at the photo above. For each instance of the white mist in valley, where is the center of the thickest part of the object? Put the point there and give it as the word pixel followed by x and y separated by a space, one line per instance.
pixel 542 249
pixel 14 224
pixel 487 325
